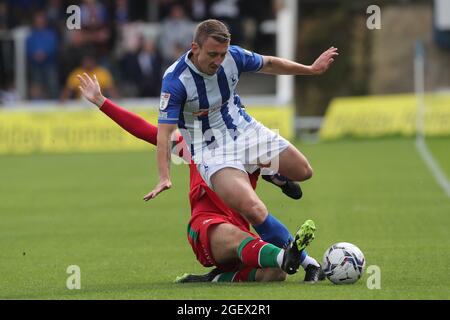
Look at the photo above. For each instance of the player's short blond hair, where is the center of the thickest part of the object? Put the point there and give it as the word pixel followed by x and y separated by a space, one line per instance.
pixel 211 28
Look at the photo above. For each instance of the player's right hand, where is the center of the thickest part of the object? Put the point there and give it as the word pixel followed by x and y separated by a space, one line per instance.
pixel 162 185
pixel 324 61
pixel 90 89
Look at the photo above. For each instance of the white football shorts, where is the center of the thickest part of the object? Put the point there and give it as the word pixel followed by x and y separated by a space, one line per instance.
pixel 255 147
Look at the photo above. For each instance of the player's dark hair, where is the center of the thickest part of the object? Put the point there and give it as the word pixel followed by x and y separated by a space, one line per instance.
pixel 211 28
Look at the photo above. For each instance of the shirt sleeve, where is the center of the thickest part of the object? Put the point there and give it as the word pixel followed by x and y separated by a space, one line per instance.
pixel 246 61
pixel 173 97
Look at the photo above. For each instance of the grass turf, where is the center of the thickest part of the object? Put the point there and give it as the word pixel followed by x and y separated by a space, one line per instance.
pixel 86 210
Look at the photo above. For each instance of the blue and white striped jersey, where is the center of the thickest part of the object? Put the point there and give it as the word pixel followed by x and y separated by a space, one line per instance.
pixel 198 102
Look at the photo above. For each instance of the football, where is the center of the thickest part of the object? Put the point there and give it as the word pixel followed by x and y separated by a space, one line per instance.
pixel 343 263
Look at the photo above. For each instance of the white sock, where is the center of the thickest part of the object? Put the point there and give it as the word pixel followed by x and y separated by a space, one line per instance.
pixel 280 258
pixel 309 260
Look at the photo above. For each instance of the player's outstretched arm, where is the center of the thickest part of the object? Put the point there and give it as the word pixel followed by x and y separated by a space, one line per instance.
pixel 165 131
pixel 279 66
pixel 129 121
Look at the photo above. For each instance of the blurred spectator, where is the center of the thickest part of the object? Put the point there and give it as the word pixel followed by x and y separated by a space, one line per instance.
pixel 89 66
pixel 21 11
pixel 56 15
pixel 112 31
pixel 133 10
pixel 36 92
pixel 94 19
pixel 93 14
pixel 164 8
pixel 176 35
pixel 199 9
pixel 42 45
pixel 8 95
pixel 122 13
pixel 72 53
pixel 228 12
pixel 143 69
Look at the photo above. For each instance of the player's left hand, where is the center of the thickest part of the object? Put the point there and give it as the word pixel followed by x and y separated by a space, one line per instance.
pixel 162 185
pixel 324 61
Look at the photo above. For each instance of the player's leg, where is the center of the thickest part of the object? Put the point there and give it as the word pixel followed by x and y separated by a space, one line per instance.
pixel 224 241
pixel 231 246
pixel 234 188
pixel 237 253
pixel 273 153
pixel 270 274
pixel 294 165
pixel 247 274
pixel 228 245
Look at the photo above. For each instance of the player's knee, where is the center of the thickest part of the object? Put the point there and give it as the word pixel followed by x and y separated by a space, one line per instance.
pixel 308 172
pixel 301 172
pixel 255 211
pixel 305 172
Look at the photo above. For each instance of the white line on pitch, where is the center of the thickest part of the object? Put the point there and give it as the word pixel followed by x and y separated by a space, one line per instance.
pixel 434 167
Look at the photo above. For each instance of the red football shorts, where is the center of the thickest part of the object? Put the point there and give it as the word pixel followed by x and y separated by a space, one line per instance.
pixel 198 229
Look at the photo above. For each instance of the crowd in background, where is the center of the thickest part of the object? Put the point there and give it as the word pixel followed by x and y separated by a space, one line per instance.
pixel 127 44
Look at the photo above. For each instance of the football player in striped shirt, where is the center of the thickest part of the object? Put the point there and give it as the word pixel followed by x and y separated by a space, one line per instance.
pixel 226 144
pixel 220 236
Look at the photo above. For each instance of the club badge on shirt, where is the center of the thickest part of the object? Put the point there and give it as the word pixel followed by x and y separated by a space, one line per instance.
pixel 164 100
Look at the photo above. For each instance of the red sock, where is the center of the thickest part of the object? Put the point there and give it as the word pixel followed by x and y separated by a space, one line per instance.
pixel 257 253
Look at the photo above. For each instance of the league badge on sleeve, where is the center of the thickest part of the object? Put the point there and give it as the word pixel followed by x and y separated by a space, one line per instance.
pixel 164 100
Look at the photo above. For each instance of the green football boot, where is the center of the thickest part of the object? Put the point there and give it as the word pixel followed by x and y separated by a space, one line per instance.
pixel 292 253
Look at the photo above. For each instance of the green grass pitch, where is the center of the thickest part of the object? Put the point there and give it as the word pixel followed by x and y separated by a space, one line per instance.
pixel 86 210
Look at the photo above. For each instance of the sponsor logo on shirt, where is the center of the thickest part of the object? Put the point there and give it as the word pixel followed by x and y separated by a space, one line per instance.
pixel 201 112
pixel 205 112
pixel 206 221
